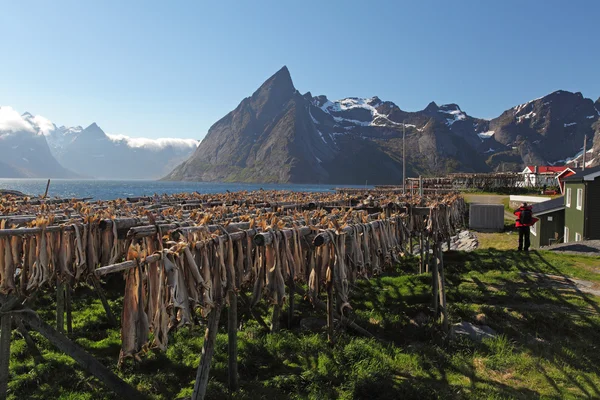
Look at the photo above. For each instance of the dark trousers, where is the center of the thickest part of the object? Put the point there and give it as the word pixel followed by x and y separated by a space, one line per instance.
pixel 524 237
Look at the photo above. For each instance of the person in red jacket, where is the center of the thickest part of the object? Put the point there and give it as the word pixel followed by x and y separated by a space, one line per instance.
pixel 525 220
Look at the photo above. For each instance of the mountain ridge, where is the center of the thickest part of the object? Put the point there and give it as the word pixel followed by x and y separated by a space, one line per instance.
pixel 279 135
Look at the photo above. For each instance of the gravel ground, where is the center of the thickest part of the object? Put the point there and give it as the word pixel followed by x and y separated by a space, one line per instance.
pixel 586 248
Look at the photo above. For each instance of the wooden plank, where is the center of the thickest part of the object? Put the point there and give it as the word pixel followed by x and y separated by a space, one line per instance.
pixel 208 349
pixel 85 360
pixel 5 333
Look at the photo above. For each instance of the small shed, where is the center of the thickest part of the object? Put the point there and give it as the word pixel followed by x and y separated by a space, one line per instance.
pixel 486 217
pixel 550 225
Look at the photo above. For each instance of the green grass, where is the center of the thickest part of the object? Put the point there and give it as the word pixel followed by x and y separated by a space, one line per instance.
pixel 546 347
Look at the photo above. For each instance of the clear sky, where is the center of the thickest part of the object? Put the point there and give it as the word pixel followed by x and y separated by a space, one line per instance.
pixel 173 68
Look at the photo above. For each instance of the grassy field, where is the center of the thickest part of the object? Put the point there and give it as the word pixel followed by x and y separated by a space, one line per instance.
pixel 546 347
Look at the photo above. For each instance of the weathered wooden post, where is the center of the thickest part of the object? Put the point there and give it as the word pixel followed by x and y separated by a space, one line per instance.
pixel 5 333
pixel 275 317
pixel 329 285
pixel 442 286
pixel 208 349
pixel 60 305
pixel 427 254
pixel 434 280
pixel 421 254
pixel 232 326
pixel 69 308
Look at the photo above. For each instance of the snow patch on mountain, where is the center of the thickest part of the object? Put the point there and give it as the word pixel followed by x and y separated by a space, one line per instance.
pixel 570 124
pixel 529 115
pixel 457 115
pixel 485 135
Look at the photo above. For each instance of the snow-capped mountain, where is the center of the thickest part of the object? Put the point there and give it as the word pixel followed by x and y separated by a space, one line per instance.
pixel 24 152
pixel 280 135
pixel 90 152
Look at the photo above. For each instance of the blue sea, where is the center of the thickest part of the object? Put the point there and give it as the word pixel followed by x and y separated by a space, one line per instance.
pixel 113 189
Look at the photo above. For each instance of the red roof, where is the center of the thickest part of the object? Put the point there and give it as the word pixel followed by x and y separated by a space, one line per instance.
pixel 546 169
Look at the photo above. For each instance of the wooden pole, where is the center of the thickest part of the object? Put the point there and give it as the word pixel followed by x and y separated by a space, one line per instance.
pixel 232 326
pixel 68 308
pixel 421 255
pixel 275 317
pixel 426 254
pixel 330 312
pixel 109 314
pixel 292 287
pixel 85 360
pixel 5 333
pixel 434 281
pixel 60 306
pixel 442 288
pixel 47 187
pixel 208 349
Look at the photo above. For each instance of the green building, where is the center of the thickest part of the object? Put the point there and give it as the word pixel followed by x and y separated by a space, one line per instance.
pixel 549 229
pixel 582 206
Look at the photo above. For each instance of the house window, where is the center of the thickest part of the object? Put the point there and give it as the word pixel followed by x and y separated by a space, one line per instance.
pixel 549 218
pixel 568 198
pixel 579 198
pixel 566 235
pixel 533 229
pixel 577 237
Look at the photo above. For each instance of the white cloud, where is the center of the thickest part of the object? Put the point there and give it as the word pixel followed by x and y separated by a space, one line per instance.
pixel 44 125
pixel 155 144
pixel 12 121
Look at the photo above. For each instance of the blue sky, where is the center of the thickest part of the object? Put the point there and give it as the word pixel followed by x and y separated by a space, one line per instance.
pixel 172 69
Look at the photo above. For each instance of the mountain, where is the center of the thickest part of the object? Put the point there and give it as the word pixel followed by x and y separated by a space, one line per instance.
pixel 24 152
pixel 93 153
pixel 90 152
pixel 280 135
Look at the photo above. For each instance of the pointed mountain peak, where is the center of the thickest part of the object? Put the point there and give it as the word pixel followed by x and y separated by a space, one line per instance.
pixel 27 114
pixel 431 107
pixel 94 130
pixel 280 81
pixel 275 91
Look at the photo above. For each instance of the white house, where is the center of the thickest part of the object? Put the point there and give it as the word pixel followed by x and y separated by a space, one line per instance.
pixel 538 176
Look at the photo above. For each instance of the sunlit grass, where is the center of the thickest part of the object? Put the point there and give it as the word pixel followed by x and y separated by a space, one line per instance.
pixel 546 343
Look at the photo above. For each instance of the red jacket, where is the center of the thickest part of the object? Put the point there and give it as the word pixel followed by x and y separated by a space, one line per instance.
pixel 518 214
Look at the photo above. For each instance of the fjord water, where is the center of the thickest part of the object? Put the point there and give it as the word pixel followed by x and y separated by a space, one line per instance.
pixel 113 189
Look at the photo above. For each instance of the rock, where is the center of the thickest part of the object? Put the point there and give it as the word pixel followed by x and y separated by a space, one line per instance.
pixel 312 324
pixel 474 332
